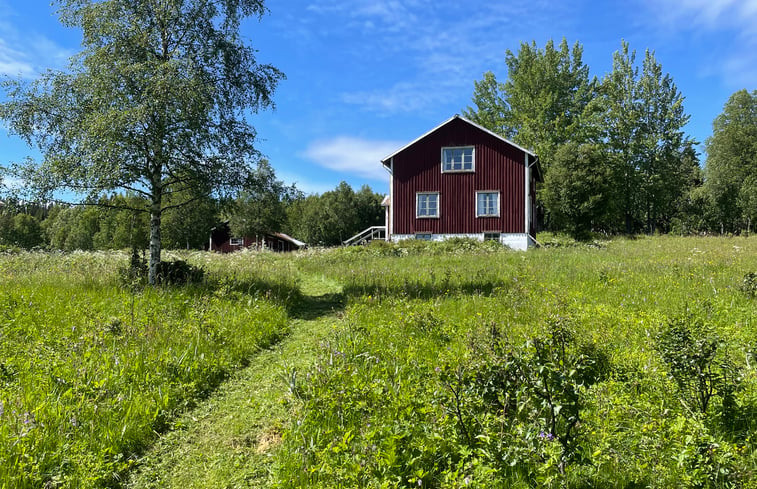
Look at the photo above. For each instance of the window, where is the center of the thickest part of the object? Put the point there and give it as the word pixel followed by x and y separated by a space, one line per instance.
pixel 236 242
pixel 487 204
pixel 423 236
pixel 491 236
pixel 427 204
pixel 458 159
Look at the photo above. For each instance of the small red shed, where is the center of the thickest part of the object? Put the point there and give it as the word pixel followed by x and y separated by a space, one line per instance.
pixel 462 180
pixel 223 241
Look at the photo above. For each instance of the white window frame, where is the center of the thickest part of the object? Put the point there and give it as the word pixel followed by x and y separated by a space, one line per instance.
pixel 236 241
pixel 424 236
pixel 418 201
pixel 499 203
pixel 462 169
pixel 492 236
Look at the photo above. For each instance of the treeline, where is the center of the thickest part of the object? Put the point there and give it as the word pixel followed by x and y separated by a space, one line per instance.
pixel 614 152
pixel 122 221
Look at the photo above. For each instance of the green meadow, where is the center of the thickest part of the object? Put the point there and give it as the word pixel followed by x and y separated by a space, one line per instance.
pixel 621 363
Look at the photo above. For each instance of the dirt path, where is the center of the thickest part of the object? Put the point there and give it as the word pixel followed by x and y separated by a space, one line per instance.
pixel 228 441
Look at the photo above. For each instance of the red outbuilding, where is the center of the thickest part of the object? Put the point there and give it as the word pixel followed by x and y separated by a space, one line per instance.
pixel 223 241
pixel 460 179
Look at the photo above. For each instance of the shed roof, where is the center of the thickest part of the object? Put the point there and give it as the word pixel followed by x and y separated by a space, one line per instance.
pixel 292 240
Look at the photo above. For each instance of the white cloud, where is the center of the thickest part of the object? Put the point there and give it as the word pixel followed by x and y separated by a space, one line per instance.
pixel 401 97
pixel 735 20
pixel 443 53
pixel 28 54
pixel 354 156
pixel 306 185
pixel 12 183
pixel 13 62
pixel 714 14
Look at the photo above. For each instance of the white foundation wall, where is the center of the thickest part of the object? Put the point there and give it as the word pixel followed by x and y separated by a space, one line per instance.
pixel 516 241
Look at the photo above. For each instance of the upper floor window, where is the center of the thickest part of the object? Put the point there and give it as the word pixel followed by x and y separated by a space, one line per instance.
pixel 458 159
pixel 427 204
pixel 487 204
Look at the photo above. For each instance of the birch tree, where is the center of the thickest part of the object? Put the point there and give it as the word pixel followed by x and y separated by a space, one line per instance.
pixel 157 103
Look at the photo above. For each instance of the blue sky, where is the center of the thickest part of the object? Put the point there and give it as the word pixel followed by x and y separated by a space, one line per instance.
pixel 364 77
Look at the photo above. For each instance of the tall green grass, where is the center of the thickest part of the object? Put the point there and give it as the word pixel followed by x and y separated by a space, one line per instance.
pixel 437 377
pixel 91 369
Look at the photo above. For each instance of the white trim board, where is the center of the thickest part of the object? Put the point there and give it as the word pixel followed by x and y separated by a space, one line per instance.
pixel 516 241
pixel 456 116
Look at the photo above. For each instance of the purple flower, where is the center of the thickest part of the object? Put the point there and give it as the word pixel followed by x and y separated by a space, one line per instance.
pixel 546 436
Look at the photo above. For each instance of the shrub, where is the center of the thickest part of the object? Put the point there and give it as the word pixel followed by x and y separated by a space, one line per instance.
pixel 749 284
pixel 522 405
pixel 689 348
pixel 176 272
pixel 179 272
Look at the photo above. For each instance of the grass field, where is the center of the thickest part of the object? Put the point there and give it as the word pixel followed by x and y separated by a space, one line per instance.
pixel 626 363
pixel 90 369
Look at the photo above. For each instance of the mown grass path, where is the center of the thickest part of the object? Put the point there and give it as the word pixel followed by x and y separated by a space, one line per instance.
pixel 228 441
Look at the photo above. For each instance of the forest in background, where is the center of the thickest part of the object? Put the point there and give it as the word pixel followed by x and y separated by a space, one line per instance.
pixel 118 223
pixel 613 150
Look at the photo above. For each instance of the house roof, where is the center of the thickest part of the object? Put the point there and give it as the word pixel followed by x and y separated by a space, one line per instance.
pixel 456 116
pixel 286 237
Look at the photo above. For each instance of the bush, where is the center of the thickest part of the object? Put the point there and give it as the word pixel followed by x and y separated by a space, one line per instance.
pixel 179 272
pixel 749 284
pixel 531 396
pixel 176 272
pixel 689 348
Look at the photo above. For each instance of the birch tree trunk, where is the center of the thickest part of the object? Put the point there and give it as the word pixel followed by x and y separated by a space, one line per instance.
pixel 156 210
pixel 155 247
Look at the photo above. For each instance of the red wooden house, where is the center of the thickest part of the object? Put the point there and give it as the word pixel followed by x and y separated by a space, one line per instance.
pixel 223 241
pixel 460 179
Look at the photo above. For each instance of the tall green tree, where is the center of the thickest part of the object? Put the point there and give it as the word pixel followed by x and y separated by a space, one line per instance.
pixel 667 158
pixel 188 226
pixel 27 231
pixel 261 207
pixel 157 101
pixel 335 216
pixel 73 228
pixel 731 163
pixel 121 225
pixel 540 104
pixel 491 109
pixel 578 188
pixel 620 114
pixel 640 116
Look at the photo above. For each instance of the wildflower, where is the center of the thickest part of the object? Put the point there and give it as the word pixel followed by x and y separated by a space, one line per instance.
pixel 546 436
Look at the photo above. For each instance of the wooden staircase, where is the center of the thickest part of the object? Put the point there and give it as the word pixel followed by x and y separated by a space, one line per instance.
pixel 366 236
